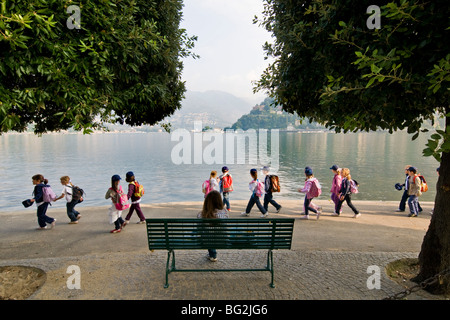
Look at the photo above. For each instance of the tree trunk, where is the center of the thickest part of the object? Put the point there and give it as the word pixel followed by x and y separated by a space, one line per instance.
pixel 434 256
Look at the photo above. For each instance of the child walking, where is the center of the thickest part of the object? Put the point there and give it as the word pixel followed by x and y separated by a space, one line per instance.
pixel 135 199
pixel 67 192
pixel 213 209
pixel 257 189
pixel 268 197
pixel 226 186
pixel 346 192
pixel 336 188
pixel 413 192
pixel 39 183
pixel 211 184
pixel 113 193
pixel 312 189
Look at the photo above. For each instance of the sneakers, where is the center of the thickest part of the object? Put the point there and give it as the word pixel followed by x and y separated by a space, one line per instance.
pixel 304 217
pixel 211 258
pixel 248 214
pixel 279 209
pixel 73 222
pixel 140 222
pixel 116 230
pixel 335 214
pixel 357 215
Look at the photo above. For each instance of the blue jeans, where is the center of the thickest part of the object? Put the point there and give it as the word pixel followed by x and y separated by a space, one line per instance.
pixel 413 203
pixel 268 198
pixel 41 215
pixel 402 205
pixel 307 207
pixel 255 199
pixel 71 212
pixel 226 201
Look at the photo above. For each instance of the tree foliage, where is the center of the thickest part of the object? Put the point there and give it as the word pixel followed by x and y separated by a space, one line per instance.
pixel 123 64
pixel 329 66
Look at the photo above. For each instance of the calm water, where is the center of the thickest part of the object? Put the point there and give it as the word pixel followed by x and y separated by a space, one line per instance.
pixel 376 161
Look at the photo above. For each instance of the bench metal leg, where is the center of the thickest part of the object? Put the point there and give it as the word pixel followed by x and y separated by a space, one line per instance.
pixel 171 268
pixel 270 266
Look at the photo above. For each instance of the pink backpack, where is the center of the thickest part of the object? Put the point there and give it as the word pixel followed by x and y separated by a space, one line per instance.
pixel 49 195
pixel 259 188
pixel 315 190
pixel 206 187
pixel 354 186
pixel 122 202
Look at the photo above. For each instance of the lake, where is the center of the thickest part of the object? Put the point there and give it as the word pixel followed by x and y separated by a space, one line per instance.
pixel 376 161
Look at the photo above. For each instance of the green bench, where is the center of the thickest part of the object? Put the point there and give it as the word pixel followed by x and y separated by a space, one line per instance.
pixel 192 234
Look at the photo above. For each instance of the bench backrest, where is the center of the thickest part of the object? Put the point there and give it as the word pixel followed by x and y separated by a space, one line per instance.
pixel 264 233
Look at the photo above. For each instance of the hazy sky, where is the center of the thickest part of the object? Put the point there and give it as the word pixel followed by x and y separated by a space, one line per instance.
pixel 229 45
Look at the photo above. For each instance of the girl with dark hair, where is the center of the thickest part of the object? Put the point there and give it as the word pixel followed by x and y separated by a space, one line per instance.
pixel 257 189
pixel 213 208
pixel 114 193
pixel 135 200
pixel 39 183
pixel 312 189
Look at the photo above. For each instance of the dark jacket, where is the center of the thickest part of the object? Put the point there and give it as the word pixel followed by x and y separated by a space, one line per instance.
pixel 38 193
pixel 346 187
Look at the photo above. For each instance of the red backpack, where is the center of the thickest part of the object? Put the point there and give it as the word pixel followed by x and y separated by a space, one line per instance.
pixel 423 182
pixel 227 183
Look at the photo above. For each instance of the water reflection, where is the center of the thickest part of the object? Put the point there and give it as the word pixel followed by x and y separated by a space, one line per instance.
pixel 376 161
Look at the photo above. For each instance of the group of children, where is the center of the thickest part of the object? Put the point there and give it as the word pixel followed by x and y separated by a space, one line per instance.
pixel 115 193
pixel 413 189
pixel 219 188
pixel 214 207
pixel 342 188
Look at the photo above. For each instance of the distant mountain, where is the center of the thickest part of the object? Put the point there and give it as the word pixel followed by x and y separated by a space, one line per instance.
pixel 216 109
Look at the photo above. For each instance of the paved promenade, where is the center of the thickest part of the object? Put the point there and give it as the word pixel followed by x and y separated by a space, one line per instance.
pixel 329 257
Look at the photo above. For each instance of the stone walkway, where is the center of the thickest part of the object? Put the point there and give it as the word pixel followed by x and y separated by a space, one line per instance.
pixel 329 259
